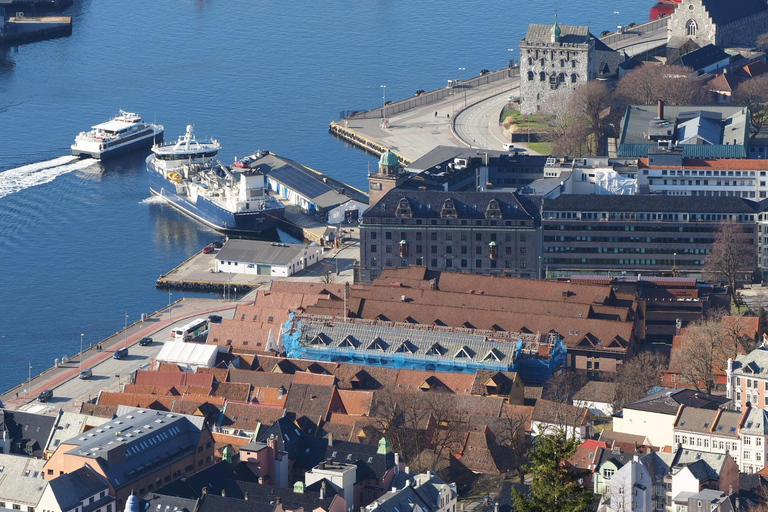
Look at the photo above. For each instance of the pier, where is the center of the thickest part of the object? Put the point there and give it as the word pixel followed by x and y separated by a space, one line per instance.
pixel 22 29
pixel 414 126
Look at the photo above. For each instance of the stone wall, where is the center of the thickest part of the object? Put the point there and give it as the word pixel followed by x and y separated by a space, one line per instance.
pixel 547 67
pixel 743 32
pixel 692 10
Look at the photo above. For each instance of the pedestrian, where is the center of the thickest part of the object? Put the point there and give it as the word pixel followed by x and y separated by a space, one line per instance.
pixel 448 115
pixel 435 113
pixel 17 394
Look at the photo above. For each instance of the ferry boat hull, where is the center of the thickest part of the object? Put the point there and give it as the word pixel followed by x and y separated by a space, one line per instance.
pixel 203 210
pixel 143 143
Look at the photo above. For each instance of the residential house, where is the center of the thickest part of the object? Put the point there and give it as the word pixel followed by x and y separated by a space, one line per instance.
pixel 424 492
pixel 653 416
pixel 80 490
pixel 549 416
pixel 25 433
pixel 597 396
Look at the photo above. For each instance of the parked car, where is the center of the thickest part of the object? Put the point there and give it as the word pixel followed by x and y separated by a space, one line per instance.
pixel 86 374
pixel 121 353
pixel 218 244
pixel 214 319
pixel 145 341
pixel 208 249
pixel 45 395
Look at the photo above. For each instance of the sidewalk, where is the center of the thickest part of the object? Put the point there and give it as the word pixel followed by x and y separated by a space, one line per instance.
pixel 157 322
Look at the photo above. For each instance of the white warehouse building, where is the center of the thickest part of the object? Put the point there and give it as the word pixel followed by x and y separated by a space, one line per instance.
pixel 266 258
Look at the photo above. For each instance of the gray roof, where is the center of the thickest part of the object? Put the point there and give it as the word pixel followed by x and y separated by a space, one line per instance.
pixel 702 57
pixel 668 401
pixel 596 391
pixel 72 488
pixel 19 465
pixel 706 421
pixel 71 424
pixel 253 251
pixel 732 126
pixel 321 189
pixel 133 441
pixel 376 339
pixel 22 489
pixel 467 205
pixel 650 204
pixel 705 466
pixel 569 34
pixel 755 422
pixel 424 492
pixel 754 364
pixel 29 432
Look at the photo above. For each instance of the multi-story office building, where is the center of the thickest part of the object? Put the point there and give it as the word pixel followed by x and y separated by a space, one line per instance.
pixel 637 234
pixel 476 232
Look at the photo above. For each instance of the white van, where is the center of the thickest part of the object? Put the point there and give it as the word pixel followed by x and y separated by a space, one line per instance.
pixel 508 146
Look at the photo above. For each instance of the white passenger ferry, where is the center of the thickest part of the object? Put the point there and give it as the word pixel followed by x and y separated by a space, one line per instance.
pixel 121 134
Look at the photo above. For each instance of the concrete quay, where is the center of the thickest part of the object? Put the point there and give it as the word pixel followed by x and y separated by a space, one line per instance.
pixel 25 29
pixel 413 128
pixel 196 273
pixel 69 392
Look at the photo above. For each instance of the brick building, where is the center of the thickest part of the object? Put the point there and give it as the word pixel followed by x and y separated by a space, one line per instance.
pixel 476 232
pixel 139 451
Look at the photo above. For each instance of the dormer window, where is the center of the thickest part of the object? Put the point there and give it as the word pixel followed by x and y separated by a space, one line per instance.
pixel 403 209
pixel 449 210
pixel 493 211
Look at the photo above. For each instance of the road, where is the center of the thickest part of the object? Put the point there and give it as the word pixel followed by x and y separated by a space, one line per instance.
pixel 108 373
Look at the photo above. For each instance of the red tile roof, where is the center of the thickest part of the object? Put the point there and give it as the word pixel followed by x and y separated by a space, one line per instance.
pixel 154 378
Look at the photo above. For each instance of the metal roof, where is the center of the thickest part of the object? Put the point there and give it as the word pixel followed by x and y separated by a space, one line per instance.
pixel 253 251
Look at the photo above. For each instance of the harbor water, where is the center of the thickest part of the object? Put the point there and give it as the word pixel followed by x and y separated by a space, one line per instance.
pixel 81 242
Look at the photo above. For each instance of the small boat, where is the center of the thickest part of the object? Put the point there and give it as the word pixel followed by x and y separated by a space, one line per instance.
pixel 123 133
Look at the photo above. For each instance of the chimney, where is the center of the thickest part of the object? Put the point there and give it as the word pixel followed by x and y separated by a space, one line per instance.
pixel 660 109
pixel 224 493
pixel 397 463
pixel 322 490
pixel 246 496
pixel 205 490
pixel 330 439
pixel 738 503
pixel 496 507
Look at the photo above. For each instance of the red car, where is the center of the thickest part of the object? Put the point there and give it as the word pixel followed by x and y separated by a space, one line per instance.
pixel 207 249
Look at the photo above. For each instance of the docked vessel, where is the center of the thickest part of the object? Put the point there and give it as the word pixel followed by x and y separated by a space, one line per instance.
pixel 237 202
pixel 663 8
pixel 123 133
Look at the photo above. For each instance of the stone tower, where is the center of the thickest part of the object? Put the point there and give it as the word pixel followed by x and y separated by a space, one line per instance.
pixel 387 177
pixel 554 57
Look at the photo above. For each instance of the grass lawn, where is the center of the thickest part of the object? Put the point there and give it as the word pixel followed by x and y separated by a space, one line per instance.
pixel 544 148
pixel 535 123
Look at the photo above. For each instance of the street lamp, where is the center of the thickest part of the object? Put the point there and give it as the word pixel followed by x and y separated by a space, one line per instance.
pixel 81 353
pixel 170 310
pixel 125 330
pixel 383 99
pixel 511 59
pixel 465 90
pixel 617 20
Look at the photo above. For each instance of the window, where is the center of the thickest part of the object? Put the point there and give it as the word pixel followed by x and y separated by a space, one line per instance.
pixel 433 263
pixel 374 248
pixel 433 236
pixel 388 235
pixel 690 28
pixel 608 473
pixel 530 76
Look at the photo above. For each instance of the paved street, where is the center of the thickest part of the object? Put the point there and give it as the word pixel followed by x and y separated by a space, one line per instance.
pixel 419 130
pixel 69 391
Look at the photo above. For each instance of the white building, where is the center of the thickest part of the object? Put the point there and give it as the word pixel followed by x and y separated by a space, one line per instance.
pixel 189 356
pixel 82 489
pixel 631 488
pixel 266 258
pixel 342 478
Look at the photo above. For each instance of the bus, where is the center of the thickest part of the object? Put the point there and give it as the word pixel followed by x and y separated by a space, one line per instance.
pixel 192 330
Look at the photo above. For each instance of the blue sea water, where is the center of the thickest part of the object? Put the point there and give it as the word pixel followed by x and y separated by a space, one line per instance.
pixel 80 246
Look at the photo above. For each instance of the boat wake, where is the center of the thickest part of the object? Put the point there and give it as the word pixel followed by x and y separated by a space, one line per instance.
pixel 153 200
pixel 20 178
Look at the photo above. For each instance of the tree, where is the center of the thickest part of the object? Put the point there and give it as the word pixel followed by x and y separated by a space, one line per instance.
pixel 671 84
pixel 637 376
pixel 706 346
pixel 753 94
pixel 762 43
pixel 512 436
pixel 732 257
pixel 553 486
pixel 591 101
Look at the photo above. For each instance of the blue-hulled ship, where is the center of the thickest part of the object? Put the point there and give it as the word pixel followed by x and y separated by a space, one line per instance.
pixel 237 202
